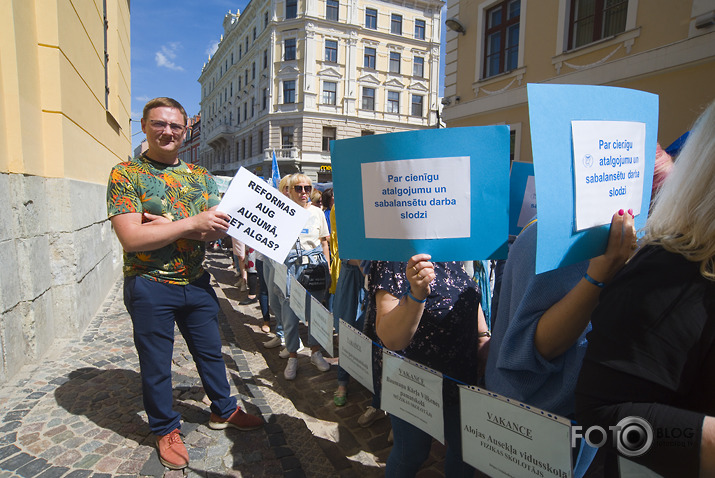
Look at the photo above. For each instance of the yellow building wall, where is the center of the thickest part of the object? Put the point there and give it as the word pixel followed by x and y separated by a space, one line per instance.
pixel 55 119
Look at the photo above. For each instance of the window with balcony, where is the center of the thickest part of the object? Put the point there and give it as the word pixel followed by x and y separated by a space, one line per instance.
pixel 289 47
pixel 370 55
pixel 329 134
pixel 371 18
pixel 393 101
pixel 331 51
pixel 420 29
pixel 368 98
pixel 291 8
pixel 289 91
pixel 416 104
pixel 593 20
pixel 396 24
pixel 418 67
pixel 287 136
pixel 331 10
pixel 330 89
pixel 501 38
pixel 394 62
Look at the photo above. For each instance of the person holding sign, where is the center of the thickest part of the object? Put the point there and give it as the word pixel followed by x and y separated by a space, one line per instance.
pixel 651 353
pixel 538 338
pixel 313 245
pixel 163 212
pixel 430 313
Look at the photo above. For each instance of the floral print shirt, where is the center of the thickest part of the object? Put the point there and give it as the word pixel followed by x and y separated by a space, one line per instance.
pixel 175 192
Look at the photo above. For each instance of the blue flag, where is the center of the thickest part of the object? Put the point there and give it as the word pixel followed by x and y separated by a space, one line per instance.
pixel 275 174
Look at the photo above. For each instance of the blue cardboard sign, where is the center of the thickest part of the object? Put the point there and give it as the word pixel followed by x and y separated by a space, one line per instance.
pixel 443 192
pixel 552 109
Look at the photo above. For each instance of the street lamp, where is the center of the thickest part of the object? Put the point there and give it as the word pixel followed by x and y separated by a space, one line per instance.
pixel 455 25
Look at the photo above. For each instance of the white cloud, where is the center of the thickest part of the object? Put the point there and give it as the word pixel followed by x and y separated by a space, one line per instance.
pixel 143 99
pixel 213 46
pixel 165 57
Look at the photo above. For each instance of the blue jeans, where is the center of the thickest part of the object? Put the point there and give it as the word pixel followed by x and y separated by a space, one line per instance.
pixel 275 297
pixel 154 308
pixel 412 446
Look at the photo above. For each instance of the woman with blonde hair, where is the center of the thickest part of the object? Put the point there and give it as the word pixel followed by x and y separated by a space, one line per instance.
pixel 651 352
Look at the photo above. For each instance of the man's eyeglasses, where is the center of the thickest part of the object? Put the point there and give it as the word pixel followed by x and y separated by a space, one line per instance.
pixel 300 189
pixel 161 126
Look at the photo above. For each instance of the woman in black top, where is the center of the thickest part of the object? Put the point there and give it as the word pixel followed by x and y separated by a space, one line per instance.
pixel 651 352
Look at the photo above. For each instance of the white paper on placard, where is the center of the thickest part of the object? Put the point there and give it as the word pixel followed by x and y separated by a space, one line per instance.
pixel 608 160
pixel 413 393
pixel 355 354
pixel 505 438
pixel 297 298
pixel 528 206
pixel 321 325
pixel 280 276
pixel 261 216
pixel 417 198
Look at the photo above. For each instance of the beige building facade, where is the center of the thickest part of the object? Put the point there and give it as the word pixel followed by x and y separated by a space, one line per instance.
pixel 495 47
pixel 292 75
pixel 65 77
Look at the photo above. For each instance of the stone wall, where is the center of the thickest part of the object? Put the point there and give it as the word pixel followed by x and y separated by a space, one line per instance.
pixel 59 258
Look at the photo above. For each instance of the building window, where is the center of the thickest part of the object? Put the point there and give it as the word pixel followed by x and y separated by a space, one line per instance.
pixel 418 67
pixel 245 111
pixel 331 51
pixel 265 19
pixel 420 29
pixel 371 18
pixel 250 147
pixel 396 24
pixel 329 134
pixel 289 49
pixel 265 59
pixel 253 106
pixel 370 55
pixel 253 71
pixel 593 20
pixel 254 33
pixel 368 98
pixel 330 89
pixel 501 38
pixel 366 132
pixel 331 10
pixel 289 91
pixel 287 136
pixel 240 51
pixel 393 101
pixel 291 8
pixel 265 98
pixel 394 62
pixel 417 105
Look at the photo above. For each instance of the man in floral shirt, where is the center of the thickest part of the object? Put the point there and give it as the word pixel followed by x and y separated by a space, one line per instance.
pixel 163 211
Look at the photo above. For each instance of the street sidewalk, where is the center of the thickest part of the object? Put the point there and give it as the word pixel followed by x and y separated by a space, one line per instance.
pixel 79 413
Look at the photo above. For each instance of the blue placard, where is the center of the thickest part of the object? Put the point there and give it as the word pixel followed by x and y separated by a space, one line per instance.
pixel 552 108
pixel 520 174
pixel 482 154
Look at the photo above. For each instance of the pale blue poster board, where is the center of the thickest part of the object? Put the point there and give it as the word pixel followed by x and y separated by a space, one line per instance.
pixel 484 155
pixel 520 173
pixel 551 110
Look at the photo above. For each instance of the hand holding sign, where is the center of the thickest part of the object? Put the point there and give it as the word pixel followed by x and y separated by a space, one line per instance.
pixel 262 217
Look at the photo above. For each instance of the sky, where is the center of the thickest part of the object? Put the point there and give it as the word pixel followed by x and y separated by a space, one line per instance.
pixel 170 42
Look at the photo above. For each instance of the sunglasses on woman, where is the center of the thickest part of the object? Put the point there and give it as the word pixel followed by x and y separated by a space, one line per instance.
pixel 300 189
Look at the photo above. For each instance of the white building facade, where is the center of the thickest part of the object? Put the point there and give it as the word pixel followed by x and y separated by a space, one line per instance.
pixel 291 75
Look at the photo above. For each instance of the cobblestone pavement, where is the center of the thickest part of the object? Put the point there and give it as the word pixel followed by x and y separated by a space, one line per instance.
pixel 79 413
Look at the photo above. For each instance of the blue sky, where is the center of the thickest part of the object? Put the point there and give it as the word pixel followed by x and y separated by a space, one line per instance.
pixel 171 41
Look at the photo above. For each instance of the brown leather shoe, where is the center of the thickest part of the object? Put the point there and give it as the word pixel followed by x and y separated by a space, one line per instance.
pixel 172 452
pixel 239 419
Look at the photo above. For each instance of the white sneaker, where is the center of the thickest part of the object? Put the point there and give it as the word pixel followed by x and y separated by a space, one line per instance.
pixel 291 369
pixel 370 416
pixel 284 353
pixel 273 343
pixel 317 359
